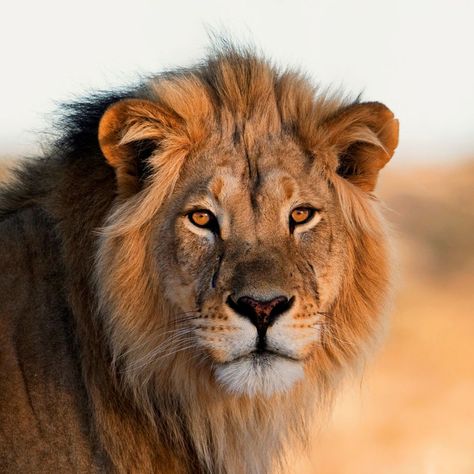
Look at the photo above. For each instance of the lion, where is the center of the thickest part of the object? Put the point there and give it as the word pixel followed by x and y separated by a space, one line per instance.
pixel 189 271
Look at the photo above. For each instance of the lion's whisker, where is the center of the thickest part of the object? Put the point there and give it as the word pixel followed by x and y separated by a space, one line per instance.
pixel 146 362
pixel 330 335
pixel 173 341
pixel 165 345
pixel 137 347
pixel 325 313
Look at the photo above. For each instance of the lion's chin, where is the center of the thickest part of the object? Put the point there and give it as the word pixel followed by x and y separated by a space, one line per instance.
pixel 259 374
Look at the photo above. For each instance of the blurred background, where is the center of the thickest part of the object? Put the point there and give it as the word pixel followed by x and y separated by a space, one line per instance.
pixel 412 411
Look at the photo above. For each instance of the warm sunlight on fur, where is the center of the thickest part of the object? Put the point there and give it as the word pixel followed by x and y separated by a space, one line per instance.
pixel 5 170
pixel 222 256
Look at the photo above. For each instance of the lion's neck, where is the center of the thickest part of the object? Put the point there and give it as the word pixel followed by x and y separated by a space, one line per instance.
pixel 235 435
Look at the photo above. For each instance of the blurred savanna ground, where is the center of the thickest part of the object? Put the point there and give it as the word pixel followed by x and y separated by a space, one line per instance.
pixel 413 409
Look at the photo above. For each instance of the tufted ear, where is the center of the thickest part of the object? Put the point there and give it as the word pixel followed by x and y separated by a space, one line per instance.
pixel 129 132
pixel 364 136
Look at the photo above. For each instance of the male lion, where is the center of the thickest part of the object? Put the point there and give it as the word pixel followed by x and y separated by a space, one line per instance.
pixel 188 271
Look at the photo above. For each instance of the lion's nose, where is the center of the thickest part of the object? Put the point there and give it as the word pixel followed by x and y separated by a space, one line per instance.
pixel 261 313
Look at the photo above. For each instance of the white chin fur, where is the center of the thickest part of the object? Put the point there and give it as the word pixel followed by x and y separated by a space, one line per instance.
pixel 261 375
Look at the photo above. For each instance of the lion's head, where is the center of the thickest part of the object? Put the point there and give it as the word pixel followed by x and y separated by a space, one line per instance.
pixel 244 262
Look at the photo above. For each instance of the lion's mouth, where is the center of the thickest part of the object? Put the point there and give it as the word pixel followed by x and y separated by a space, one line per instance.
pixel 263 356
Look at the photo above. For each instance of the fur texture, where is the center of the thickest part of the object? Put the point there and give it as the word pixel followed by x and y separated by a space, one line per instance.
pixel 168 375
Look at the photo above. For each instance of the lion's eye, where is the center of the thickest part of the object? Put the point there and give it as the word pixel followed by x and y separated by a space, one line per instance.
pixel 301 215
pixel 203 218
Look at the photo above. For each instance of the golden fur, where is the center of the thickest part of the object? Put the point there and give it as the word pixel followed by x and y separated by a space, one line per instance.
pixel 5 169
pixel 254 141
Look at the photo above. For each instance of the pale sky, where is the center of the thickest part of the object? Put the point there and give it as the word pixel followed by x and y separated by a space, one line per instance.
pixel 413 55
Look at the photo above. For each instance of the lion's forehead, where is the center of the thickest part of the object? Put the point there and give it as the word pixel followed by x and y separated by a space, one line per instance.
pixel 273 192
pixel 277 175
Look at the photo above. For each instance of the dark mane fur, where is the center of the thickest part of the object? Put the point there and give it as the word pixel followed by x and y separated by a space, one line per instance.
pixel 75 131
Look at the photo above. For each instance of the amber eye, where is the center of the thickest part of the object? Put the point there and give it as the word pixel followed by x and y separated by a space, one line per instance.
pixel 301 215
pixel 203 218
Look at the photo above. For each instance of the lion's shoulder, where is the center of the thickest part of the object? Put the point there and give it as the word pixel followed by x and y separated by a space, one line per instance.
pixel 40 378
pixel 29 268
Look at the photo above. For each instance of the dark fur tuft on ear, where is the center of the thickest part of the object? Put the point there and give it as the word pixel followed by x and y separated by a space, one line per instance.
pixel 78 121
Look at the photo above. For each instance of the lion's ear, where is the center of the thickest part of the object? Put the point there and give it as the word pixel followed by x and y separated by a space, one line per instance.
pixel 129 132
pixel 364 137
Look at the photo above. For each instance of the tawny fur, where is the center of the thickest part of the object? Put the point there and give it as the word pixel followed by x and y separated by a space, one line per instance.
pixel 6 166
pixel 162 410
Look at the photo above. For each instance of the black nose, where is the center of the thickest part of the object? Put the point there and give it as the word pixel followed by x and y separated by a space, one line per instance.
pixel 261 313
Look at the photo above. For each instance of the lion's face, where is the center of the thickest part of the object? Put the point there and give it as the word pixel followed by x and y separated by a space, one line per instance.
pixel 250 253
pixel 256 259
